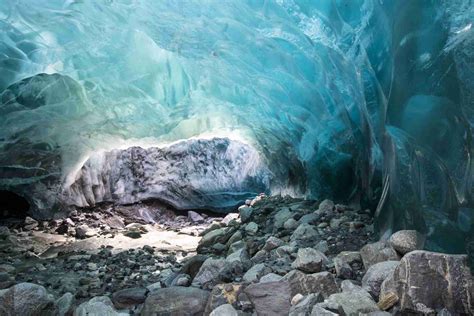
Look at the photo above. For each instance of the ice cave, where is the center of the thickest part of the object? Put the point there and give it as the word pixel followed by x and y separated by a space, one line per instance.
pixel 236 157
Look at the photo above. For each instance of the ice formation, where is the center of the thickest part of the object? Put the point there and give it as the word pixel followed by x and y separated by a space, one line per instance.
pixel 367 100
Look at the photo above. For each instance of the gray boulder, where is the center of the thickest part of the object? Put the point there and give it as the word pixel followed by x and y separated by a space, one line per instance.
pixel 208 274
pixel 426 282
pixel 224 310
pixel 405 241
pixel 97 306
pixel 254 273
pixel 175 301
pixel 245 213
pixel 319 311
pixel 326 206
pixel 305 235
pixel 350 303
pixel 377 252
pixel 270 299
pixel 130 297
pixel 322 282
pixel 376 274
pixel 65 304
pixel 306 304
pixel 26 299
pixel 343 262
pixel 309 260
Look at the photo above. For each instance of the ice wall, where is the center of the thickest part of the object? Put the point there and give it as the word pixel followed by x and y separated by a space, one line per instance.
pixel 349 99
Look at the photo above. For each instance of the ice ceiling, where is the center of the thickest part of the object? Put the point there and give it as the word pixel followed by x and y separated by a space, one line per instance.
pixel 367 100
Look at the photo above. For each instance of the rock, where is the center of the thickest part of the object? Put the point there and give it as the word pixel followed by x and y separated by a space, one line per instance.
pixel 254 273
pixel 305 235
pixel 311 219
pixel 322 282
pixel 220 235
pixel 305 305
pixel 322 246
pixel 405 241
pixel 208 274
pixel 175 301
pixel 387 301
pixel 270 299
pixel 336 222
pixel 377 252
pixel 195 217
pixel 343 262
pixel 65 304
pixel 427 281
pixel 251 228
pixel 348 286
pixel 96 306
pixel 309 260
pixel 281 217
pixel 376 274
pixel 240 255
pixel 224 310
pixel 192 265
pixel 7 268
pixel 272 243
pixel 4 232
pixel 30 223
pixel 222 294
pixel 271 277
pixel 229 218
pixel 290 224
pixel 326 206
pixel 319 311
pixel 350 303
pixel 154 286
pixel 26 299
pixel 83 231
pixel 132 234
pixel 296 299
pixel 245 213
pixel 130 297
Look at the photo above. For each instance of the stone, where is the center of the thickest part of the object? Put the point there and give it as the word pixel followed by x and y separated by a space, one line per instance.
pixel 270 299
pixel 224 310
pixel 220 235
pixel 326 206
pixel 311 219
pixel 195 217
pixel 254 273
pixel 296 299
pixel 30 223
pixel 154 286
pixel 319 311
pixel 290 224
pixel 309 260
pixel 271 277
pixel 272 243
pixel 427 281
pixel 350 303
pixel 322 282
pixel 223 294
pixel 96 306
pixel 281 217
pixel 26 299
pixel 65 304
pixel 405 241
pixel 376 274
pixel 208 274
pixel 377 252
pixel 83 231
pixel 4 232
pixel 127 298
pixel 175 301
pixel 240 255
pixel 305 235
pixel 251 228
pixel 305 305
pixel 245 213
pixel 322 246
pixel 229 218
pixel 343 262
pixel 348 286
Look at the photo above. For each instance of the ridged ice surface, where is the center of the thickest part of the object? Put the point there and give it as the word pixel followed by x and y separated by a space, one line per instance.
pixel 346 99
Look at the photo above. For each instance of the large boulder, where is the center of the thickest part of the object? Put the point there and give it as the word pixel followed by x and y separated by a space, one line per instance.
pixel 309 260
pixel 97 306
pixel 426 282
pixel 209 273
pixel 26 299
pixel 350 303
pixel 322 282
pixel 377 252
pixel 376 274
pixel 405 241
pixel 175 301
pixel 270 299
pixel 130 297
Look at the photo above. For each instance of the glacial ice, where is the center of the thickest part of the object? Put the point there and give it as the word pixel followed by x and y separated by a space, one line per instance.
pixel 367 100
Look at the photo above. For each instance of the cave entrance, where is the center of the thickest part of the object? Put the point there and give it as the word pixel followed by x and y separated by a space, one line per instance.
pixel 12 205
